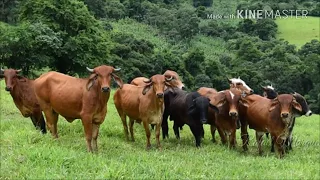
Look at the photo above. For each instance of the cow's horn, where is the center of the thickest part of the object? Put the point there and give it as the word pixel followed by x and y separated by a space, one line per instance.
pixel 19 70
pixel 169 79
pixel 262 86
pixel 90 70
pixel 2 70
pixel 116 70
pixel 147 81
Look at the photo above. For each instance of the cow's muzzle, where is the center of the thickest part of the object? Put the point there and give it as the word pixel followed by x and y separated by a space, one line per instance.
pixel 8 88
pixel 233 114
pixel 204 121
pixel 105 89
pixel 160 95
pixel 309 113
pixel 284 115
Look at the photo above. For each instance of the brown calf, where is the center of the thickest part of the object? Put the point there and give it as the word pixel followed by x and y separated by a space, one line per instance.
pixel 22 92
pixel 226 120
pixel 142 103
pixel 75 98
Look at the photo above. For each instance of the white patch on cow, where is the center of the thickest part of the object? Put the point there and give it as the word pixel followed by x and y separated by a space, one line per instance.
pixel 308 113
pixel 238 80
pixel 270 87
pixel 231 94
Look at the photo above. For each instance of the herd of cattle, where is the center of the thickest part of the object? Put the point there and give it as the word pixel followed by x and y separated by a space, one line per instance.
pixel 152 101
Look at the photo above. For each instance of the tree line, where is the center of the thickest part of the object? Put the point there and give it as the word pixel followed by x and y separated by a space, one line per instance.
pixel 67 36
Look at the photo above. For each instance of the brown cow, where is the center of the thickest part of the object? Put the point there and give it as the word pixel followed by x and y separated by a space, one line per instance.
pixel 238 86
pixel 22 92
pixel 266 115
pixel 175 82
pixel 75 98
pixel 142 103
pixel 226 119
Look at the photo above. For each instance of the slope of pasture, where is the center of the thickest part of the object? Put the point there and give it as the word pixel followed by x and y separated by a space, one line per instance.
pixel 299 31
pixel 26 154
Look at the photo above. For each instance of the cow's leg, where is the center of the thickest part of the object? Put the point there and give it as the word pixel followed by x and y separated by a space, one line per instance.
pixel 222 135
pixel 202 132
pixel 52 120
pixel 196 131
pixel 34 121
pixel 95 133
pixel 213 131
pixel 148 134
pixel 176 130
pixel 87 125
pixel 158 125
pixel 42 124
pixel 164 126
pixel 39 121
pixel 259 139
pixel 279 143
pixel 289 139
pixel 244 135
pixel 125 126
pixel 272 144
pixel 232 138
pixel 131 123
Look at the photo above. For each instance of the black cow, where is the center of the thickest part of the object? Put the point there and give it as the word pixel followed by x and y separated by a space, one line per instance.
pixel 270 93
pixel 186 108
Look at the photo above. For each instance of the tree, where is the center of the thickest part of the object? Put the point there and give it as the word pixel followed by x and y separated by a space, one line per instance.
pixel 266 29
pixel 84 41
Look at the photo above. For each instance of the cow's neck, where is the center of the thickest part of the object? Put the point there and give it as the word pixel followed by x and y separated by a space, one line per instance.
pixel 102 97
pixel 155 101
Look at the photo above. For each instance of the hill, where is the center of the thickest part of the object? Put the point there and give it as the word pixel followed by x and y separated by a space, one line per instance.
pixel 298 31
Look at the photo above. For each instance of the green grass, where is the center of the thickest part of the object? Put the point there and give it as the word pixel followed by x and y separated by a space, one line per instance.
pixel 298 31
pixel 25 153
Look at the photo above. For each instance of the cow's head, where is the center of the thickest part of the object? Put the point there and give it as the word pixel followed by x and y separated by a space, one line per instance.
pixel 103 74
pixel 240 85
pixel 286 102
pixel 269 92
pixel 158 83
pixel 302 101
pixel 230 98
pixel 11 76
pixel 199 107
pixel 175 82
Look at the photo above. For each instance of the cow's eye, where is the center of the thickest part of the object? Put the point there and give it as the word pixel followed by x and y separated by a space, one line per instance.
pixel 238 84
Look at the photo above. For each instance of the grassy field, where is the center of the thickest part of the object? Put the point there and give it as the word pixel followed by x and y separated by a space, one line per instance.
pixel 298 31
pixel 26 154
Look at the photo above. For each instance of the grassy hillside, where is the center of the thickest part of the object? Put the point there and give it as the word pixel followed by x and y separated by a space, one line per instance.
pixel 25 153
pixel 299 31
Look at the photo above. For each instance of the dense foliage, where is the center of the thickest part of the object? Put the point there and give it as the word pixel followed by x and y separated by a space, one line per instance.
pixel 67 36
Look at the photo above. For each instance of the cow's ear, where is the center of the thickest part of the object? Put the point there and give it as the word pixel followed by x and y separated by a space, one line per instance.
pixel 118 80
pixel 221 102
pixel 244 102
pixel 296 105
pixel 146 88
pixel 91 81
pixel 273 105
pixel 214 108
pixel 192 108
